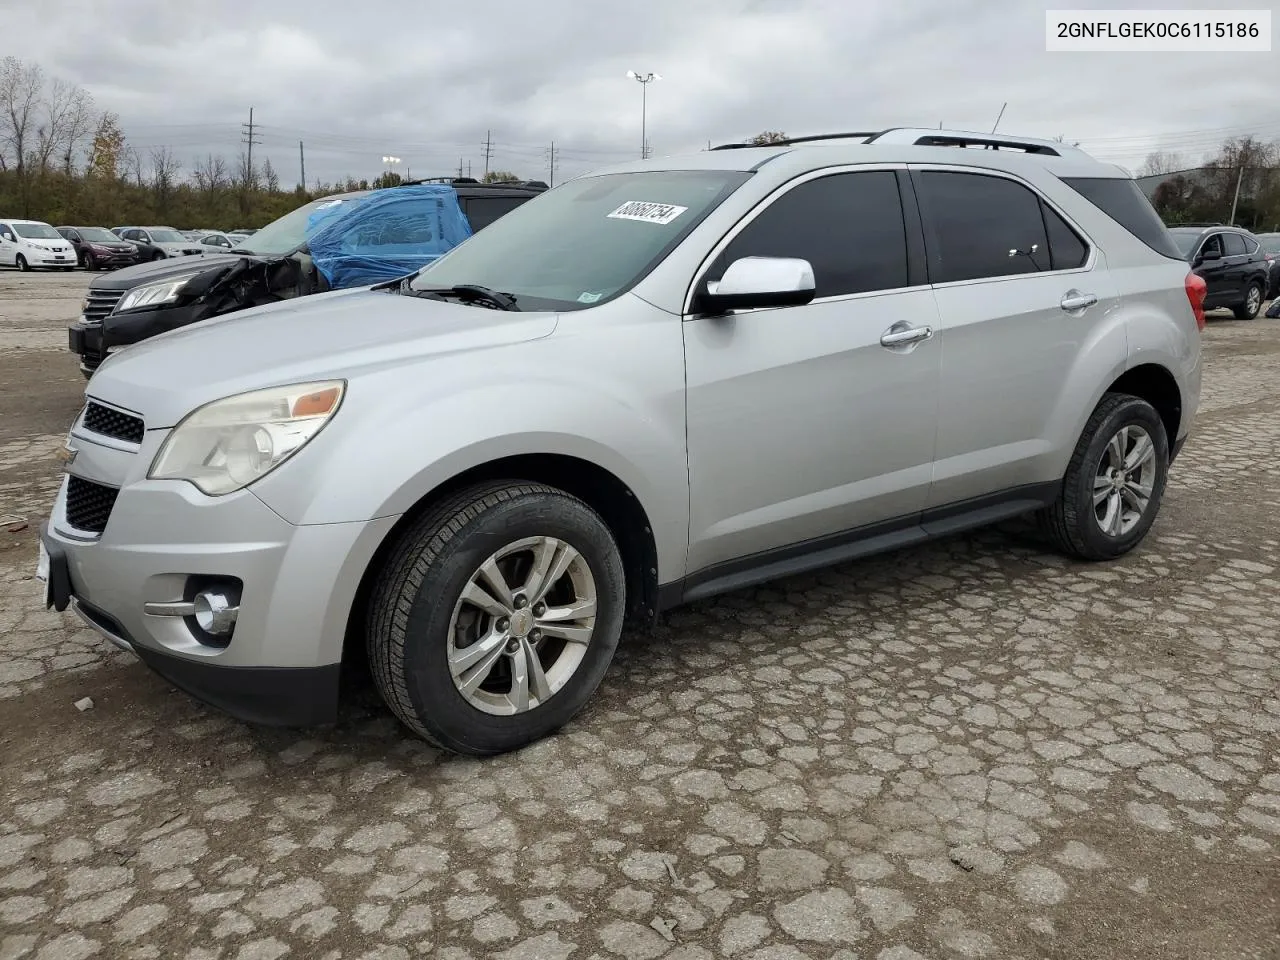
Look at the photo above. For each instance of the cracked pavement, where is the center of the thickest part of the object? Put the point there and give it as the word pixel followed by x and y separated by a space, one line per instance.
pixel 970 749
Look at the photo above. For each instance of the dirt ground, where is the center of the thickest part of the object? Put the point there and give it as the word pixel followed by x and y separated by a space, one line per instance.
pixel 972 749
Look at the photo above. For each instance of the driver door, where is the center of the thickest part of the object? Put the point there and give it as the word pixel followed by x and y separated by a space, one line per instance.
pixel 804 429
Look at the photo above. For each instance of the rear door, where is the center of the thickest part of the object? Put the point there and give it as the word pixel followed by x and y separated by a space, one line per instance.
pixel 1218 288
pixel 1239 267
pixel 8 245
pixel 1020 291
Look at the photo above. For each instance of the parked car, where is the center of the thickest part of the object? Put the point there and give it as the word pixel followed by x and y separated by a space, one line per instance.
pixel 27 244
pixel 644 387
pixel 215 241
pixel 1270 243
pixel 329 244
pixel 1230 261
pixel 97 248
pixel 157 243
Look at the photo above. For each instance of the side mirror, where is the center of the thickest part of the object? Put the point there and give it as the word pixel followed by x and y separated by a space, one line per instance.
pixel 1214 254
pixel 760 282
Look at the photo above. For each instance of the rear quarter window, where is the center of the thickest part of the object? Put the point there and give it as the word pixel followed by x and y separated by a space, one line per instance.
pixel 1125 203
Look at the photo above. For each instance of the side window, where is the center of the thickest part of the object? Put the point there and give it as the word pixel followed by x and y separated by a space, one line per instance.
pixel 1251 246
pixel 1214 242
pixel 482 211
pixel 5 229
pixel 1066 250
pixel 1234 244
pixel 849 226
pixel 979 226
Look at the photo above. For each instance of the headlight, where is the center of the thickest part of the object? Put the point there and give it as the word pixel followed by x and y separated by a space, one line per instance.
pixel 227 444
pixel 153 294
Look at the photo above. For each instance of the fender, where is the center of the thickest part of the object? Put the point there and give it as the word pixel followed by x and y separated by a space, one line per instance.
pixel 409 431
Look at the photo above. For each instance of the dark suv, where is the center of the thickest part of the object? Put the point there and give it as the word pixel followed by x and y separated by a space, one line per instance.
pixel 1230 261
pixel 332 243
pixel 98 247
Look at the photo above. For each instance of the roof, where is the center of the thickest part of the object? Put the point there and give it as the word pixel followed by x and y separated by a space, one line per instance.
pixel 20 220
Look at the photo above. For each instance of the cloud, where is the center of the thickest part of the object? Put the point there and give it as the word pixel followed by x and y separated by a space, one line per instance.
pixel 355 81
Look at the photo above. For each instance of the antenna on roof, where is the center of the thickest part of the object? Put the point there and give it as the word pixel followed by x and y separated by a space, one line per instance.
pixel 998 116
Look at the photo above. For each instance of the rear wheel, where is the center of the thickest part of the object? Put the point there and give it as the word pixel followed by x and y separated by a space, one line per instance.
pixel 496 616
pixel 1252 302
pixel 21 263
pixel 1114 483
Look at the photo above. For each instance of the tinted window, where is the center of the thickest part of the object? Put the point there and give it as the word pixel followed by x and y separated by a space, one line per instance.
pixel 1066 250
pixel 1125 203
pixel 1213 243
pixel 981 226
pixel 1250 245
pixel 1234 244
pixel 848 226
pixel 482 211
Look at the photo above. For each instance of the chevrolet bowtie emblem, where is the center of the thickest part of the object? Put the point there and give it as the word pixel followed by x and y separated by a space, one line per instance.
pixel 67 454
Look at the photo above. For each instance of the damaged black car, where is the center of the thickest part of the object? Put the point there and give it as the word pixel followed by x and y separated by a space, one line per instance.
pixel 333 243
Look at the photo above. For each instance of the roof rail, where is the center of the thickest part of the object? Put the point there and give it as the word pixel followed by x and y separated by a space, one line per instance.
pixel 926 137
pixel 1214 224
pixel 787 141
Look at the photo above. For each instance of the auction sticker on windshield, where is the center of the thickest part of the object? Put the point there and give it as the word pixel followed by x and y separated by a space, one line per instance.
pixel 660 213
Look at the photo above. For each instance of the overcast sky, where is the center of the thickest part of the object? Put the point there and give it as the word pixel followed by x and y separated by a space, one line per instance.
pixel 359 80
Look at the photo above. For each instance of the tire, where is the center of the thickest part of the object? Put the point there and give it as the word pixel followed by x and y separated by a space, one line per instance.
pixel 417 618
pixel 158 255
pixel 1252 302
pixel 90 263
pixel 1072 523
pixel 21 264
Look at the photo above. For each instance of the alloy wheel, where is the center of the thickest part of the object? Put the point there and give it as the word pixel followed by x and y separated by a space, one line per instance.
pixel 1124 481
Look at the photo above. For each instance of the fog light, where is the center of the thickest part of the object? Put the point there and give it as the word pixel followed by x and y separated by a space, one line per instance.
pixel 215 613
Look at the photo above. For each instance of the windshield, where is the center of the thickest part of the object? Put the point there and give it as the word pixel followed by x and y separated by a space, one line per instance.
pixel 166 236
pixel 1186 240
pixel 283 236
pixel 98 235
pixel 37 231
pixel 587 240
pixel 1270 244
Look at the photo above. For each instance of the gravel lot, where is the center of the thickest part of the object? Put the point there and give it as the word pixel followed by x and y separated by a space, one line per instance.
pixel 974 749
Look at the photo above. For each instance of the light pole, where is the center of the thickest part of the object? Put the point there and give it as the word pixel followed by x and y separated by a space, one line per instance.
pixel 391 163
pixel 644 79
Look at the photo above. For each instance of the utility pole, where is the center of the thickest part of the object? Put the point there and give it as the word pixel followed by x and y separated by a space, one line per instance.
pixel 551 163
pixel 468 168
pixel 488 150
pixel 1236 198
pixel 302 164
pixel 459 168
pixel 247 136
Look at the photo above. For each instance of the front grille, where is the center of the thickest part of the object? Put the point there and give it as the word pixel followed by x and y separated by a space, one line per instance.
pixel 89 504
pixel 113 423
pixel 99 303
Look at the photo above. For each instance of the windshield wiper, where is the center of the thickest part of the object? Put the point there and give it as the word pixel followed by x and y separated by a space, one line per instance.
pixel 466 292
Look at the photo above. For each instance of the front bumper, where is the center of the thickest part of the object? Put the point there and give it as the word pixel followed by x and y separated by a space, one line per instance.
pixel 282 663
pixel 50 260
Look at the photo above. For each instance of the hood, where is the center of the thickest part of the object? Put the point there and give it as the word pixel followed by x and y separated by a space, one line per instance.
pixel 116 246
pixel 157 270
pixel 342 334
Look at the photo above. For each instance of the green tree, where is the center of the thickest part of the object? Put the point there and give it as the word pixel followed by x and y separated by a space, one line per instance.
pixel 500 176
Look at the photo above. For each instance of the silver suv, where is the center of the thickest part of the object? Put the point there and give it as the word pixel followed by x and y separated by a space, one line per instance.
pixel 644 387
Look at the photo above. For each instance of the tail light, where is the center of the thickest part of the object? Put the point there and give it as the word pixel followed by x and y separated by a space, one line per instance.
pixel 1196 289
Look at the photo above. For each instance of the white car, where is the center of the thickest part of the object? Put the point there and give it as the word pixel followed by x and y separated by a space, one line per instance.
pixel 27 244
pixel 215 241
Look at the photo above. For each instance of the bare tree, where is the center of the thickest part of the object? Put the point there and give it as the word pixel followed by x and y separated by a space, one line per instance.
pixel 131 163
pixel 21 85
pixel 66 119
pixel 767 137
pixel 164 177
pixel 211 175
pixel 1161 162
pixel 270 177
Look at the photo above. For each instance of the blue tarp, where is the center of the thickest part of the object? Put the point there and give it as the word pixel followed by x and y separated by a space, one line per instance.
pixel 385 234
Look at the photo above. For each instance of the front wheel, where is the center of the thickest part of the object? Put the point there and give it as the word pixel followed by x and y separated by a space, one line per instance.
pixel 21 264
pixel 1252 303
pixel 495 617
pixel 1114 483
pixel 158 255
pixel 90 263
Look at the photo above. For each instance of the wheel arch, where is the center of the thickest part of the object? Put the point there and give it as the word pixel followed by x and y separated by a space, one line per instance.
pixel 596 486
pixel 1157 386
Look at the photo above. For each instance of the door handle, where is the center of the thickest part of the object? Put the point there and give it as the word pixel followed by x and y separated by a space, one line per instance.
pixel 1075 300
pixel 900 338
